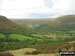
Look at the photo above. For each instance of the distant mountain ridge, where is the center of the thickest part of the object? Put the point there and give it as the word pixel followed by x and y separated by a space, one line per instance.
pixel 62 23
pixel 67 21
pixel 58 20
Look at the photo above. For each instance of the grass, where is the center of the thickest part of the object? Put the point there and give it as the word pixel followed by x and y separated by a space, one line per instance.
pixel 23 37
pixel 2 35
pixel 21 52
pixel 19 37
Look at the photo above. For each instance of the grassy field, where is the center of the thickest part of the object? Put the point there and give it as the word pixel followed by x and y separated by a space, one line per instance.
pixel 2 35
pixel 19 37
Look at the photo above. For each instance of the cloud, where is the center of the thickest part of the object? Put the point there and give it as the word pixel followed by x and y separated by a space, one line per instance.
pixel 36 8
pixel 41 15
pixel 48 3
pixel 19 8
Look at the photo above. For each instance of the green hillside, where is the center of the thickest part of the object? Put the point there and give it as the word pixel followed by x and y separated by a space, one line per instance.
pixel 66 19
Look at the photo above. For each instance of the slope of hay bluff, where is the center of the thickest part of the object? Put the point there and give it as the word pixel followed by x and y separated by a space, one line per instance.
pixel 5 22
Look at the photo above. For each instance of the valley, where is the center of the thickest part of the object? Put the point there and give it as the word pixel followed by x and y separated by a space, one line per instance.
pixel 45 36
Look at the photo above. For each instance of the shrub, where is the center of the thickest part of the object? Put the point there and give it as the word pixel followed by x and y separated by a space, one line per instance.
pixel 6 54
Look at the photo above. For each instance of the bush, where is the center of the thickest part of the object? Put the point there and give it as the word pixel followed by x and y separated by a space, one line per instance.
pixel 6 54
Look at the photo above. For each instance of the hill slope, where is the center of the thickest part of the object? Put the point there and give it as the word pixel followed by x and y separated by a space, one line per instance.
pixel 66 22
pixel 5 23
pixel 66 19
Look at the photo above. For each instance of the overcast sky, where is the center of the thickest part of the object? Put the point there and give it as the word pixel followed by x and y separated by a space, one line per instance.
pixel 36 8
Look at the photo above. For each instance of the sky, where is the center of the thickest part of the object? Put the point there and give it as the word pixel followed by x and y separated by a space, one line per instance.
pixel 36 8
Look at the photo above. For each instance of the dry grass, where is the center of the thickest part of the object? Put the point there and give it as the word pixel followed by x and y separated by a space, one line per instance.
pixel 21 52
